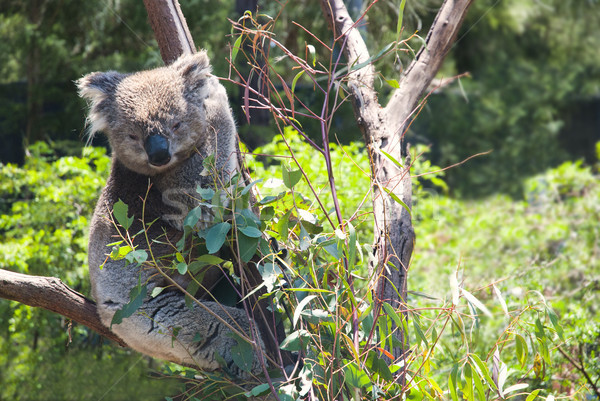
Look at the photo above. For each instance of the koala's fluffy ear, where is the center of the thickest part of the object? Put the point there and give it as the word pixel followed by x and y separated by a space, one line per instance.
pixel 194 68
pixel 99 88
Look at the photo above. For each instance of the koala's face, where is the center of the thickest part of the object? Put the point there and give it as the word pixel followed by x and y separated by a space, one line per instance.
pixel 154 119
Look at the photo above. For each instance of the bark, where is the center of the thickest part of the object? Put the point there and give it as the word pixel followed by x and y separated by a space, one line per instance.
pixel 52 294
pixel 383 131
pixel 170 29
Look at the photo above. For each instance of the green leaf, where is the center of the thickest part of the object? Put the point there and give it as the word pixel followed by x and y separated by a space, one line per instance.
pixel 379 366
pixel 261 389
pixel 267 213
pixel 554 320
pixel 400 17
pixel 247 246
pixel 483 369
pixel 389 310
pixel 393 83
pixel 268 199
pixel 479 386
pixel 138 257
pixel 453 382
pixel 501 300
pixel 355 376
pixel 216 236
pixel 242 354
pixel 283 225
pixel 296 341
pixel 533 395
pixel 313 53
pixel 396 199
pixel 156 291
pixel 209 259
pixel 516 387
pixel 120 252
pixel 182 268
pixel 298 75
pixel 290 178
pixel 392 159
pixel 136 298
pixel 205 193
pixel 418 331
pixel 237 45
pixel 521 349
pixel 468 392
pixel 249 231
pixel 120 211
pixel 248 187
pixel 351 246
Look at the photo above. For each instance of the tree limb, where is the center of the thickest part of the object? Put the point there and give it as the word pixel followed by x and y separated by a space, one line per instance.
pixel 52 294
pixel 170 29
pixel 427 63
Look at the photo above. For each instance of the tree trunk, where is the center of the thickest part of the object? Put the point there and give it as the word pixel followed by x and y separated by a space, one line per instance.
pixel 383 130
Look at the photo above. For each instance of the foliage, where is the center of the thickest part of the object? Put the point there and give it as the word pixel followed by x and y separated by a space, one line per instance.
pixel 44 219
pixel 529 67
pixel 487 320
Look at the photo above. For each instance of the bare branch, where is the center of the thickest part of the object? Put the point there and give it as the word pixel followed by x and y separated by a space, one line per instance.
pixel 427 63
pixel 52 294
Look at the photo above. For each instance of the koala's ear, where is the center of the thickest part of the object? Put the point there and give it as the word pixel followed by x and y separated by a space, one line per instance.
pixel 99 89
pixel 97 86
pixel 193 67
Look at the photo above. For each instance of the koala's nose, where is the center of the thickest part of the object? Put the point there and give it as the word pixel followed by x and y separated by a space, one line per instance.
pixel 157 148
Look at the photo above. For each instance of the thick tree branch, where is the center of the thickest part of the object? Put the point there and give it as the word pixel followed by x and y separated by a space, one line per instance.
pixel 170 29
pixel 427 63
pixel 52 294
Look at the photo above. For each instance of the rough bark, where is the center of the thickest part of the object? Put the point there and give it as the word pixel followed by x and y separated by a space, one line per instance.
pixel 383 130
pixel 170 29
pixel 52 294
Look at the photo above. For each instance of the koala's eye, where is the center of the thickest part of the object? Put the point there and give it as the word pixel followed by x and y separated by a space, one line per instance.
pixel 176 126
pixel 133 137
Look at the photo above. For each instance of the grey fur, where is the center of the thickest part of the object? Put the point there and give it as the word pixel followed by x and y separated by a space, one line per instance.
pixel 187 105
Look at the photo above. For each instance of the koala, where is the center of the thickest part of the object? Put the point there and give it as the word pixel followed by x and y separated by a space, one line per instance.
pixel 161 125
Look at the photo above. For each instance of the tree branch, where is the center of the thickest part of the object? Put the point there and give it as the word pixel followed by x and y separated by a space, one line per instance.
pixel 170 29
pixel 52 294
pixel 427 63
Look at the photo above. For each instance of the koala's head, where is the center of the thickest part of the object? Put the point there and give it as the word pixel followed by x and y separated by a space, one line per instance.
pixel 155 119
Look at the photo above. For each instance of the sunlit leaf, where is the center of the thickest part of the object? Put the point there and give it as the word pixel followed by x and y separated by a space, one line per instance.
pixel 477 303
pixel 290 178
pixel 120 211
pixel 501 300
pixel 533 395
pixel 301 307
